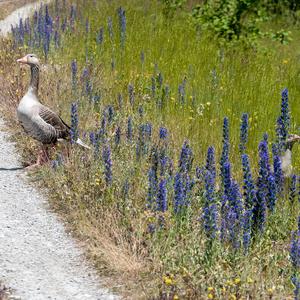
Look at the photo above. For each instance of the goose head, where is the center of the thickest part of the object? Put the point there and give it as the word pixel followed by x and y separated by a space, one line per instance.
pixel 291 140
pixel 29 59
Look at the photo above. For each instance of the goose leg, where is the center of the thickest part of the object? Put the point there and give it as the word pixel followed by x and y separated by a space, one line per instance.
pixel 42 158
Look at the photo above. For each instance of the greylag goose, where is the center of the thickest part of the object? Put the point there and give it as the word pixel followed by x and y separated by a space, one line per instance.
pixel 37 120
pixel 286 158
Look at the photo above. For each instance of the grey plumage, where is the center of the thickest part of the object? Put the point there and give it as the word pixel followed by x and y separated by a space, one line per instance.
pixel 286 157
pixel 39 121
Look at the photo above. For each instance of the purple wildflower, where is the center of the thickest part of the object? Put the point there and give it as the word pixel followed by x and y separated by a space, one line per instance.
pixel 118 135
pixel 125 189
pixel 163 133
pixel 259 207
pixel 200 172
pixel 162 203
pixel 131 94
pixel 249 186
pixel 210 211
pixel 181 91
pixel 110 28
pixel 152 189
pixel 178 192
pixel 93 138
pixel 293 188
pixel 278 174
pixel 110 113
pixel 122 25
pixel 186 158
pixel 64 25
pixel 225 151
pixel 295 250
pixel 142 57
pixel 99 37
pixel 87 26
pixel 56 39
pixel 74 122
pixel 247 225
pixel 21 32
pixel 141 110
pixel 283 121
pixel 74 73
pixel 129 132
pixel 210 161
pixel 72 15
pixel 153 86
pixel 296 283
pixel 106 156
pixel 233 228
pixel 271 192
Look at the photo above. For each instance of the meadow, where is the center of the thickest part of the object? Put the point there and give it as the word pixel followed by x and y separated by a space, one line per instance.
pixel 182 195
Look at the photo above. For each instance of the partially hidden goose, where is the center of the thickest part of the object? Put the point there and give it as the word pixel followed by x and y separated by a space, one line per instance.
pixel 286 158
pixel 38 121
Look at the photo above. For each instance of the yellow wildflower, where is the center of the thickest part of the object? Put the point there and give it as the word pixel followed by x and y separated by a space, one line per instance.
pixel 237 281
pixel 210 288
pixel 208 103
pixel 167 280
pixel 232 297
pixel 285 61
pixel 210 296
pixel 175 297
pixel 229 282
pixel 249 280
pixel 271 291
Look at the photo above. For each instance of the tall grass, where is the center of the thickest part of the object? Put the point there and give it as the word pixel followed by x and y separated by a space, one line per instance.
pixel 120 198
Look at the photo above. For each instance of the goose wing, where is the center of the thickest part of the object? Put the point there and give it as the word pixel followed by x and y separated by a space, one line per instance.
pixel 52 126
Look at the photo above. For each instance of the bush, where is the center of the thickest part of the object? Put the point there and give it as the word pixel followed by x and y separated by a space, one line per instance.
pixel 232 20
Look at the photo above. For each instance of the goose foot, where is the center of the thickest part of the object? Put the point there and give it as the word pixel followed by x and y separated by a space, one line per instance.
pixel 43 157
pixel 32 167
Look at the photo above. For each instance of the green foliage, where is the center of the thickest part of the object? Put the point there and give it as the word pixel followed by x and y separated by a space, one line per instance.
pixel 232 20
pixel 171 6
pixel 281 36
pixel 226 18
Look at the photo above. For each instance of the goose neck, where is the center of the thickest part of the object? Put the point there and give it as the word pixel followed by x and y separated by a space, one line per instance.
pixel 34 81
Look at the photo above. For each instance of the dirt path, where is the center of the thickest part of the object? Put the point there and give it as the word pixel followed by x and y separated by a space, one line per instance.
pixel 14 17
pixel 8 6
pixel 38 259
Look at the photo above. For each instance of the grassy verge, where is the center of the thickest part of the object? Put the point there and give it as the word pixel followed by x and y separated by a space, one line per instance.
pixel 159 73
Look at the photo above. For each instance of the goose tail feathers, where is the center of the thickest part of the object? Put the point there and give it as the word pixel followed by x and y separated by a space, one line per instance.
pixel 82 144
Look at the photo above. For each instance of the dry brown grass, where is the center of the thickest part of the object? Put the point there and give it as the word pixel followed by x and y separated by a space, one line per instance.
pixel 106 247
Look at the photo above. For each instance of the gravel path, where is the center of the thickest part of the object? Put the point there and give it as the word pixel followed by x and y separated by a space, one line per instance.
pixel 38 259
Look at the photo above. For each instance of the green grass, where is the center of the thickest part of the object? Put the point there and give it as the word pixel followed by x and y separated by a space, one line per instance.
pixel 176 259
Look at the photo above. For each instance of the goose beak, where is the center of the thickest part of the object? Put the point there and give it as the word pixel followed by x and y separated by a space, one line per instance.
pixel 293 138
pixel 22 60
